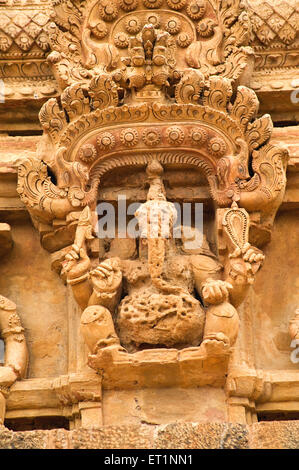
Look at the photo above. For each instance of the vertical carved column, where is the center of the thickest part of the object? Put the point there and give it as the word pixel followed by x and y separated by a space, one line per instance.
pixel 12 332
pixel 16 354
pixel 243 381
pixel 80 395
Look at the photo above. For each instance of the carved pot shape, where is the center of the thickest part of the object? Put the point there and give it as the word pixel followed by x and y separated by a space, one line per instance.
pixel 97 328
pixel 222 323
pixel 156 319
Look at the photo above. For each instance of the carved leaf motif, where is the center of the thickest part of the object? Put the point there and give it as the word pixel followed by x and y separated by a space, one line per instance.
pixel 235 24
pixel 65 38
pixel 266 188
pixel 252 184
pixel 52 191
pixel 189 89
pixel 287 34
pixel 68 15
pixel 5 42
pixel 74 101
pixel 245 106
pixel 103 91
pixel 236 64
pixel 34 185
pixel 274 21
pixel 219 93
pixel 229 11
pixel 236 222
pixel 259 132
pixel 205 55
pixel 52 119
pixel 6 304
pixel 269 162
pixel 239 33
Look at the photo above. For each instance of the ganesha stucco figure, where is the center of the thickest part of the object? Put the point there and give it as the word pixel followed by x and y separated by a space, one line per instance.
pixel 150 300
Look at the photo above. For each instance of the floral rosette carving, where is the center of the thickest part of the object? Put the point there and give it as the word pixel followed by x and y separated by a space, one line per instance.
pixel 133 25
pixel 128 5
pixel 175 135
pixel 154 19
pixel 121 40
pixel 88 153
pixel 108 10
pixel 151 137
pixel 176 4
pixel 196 9
pixel 217 147
pixel 100 30
pixel 205 28
pixel 106 141
pixel 152 3
pixel 129 137
pixel 183 40
pixel 198 136
pixel 173 25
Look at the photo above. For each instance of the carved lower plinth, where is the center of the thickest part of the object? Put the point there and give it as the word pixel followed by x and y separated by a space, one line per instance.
pixel 188 367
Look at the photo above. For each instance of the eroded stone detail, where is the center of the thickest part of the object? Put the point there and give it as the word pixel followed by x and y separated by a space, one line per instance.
pixel 12 332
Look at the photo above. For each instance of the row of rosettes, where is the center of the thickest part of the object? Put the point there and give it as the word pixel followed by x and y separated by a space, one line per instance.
pixel 153 137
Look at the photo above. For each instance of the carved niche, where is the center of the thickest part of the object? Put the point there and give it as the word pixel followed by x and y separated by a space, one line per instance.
pixel 149 86
pixel 12 333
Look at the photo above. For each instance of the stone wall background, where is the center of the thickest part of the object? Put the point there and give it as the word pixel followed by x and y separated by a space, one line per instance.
pixel 27 279
pixel 266 435
pixel 275 295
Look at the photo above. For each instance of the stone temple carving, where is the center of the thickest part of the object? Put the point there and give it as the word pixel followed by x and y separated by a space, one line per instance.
pixel 15 350
pixel 12 332
pixel 159 308
pixel 155 89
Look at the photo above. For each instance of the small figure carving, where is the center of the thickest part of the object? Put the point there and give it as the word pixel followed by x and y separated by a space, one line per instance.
pixel 151 58
pixel 16 355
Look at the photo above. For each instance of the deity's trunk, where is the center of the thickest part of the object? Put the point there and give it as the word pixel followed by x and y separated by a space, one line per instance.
pixel 156 258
